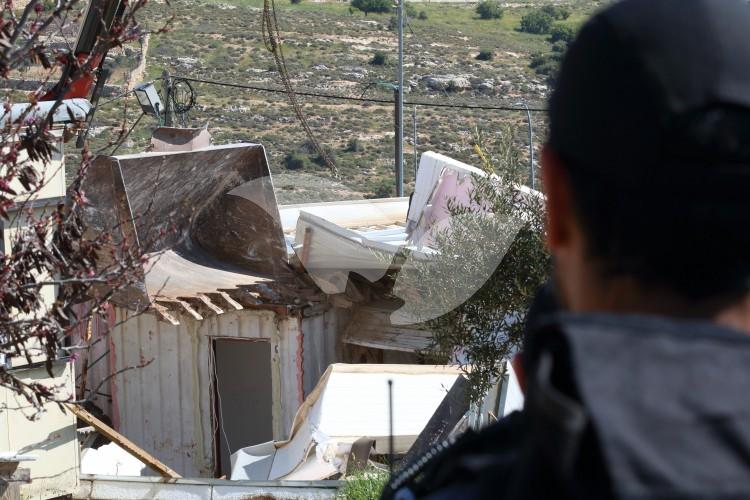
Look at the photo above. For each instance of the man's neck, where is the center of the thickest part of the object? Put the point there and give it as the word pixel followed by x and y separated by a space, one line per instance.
pixel 737 316
pixel 624 296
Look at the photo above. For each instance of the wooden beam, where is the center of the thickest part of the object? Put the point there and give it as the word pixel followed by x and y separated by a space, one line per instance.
pixel 189 309
pixel 164 313
pixel 219 296
pixel 206 300
pixel 245 297
pixel 123 442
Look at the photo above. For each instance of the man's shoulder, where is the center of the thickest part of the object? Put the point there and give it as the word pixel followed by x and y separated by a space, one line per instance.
pixel 616 406
pixel 654 391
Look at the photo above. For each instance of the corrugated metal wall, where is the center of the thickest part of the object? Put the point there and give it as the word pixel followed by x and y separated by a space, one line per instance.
pixel 166 406
pixel 320 336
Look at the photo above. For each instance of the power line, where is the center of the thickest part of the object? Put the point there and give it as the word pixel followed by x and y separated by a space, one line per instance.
pixel 359 99
pixel 115 98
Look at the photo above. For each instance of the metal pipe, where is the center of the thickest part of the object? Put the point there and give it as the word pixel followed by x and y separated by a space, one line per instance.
pixel 391 454
pixel 400 104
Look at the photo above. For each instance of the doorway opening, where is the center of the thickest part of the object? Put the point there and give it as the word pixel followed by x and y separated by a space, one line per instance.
pixel 243 397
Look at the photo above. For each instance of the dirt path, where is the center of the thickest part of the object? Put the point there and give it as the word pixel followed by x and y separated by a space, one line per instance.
pixel 136 76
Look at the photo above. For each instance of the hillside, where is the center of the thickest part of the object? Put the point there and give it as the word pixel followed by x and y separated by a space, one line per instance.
pixel 329 48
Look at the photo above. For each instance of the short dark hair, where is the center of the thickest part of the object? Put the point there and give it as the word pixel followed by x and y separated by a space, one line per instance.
pixel 689 232
pixel 651 118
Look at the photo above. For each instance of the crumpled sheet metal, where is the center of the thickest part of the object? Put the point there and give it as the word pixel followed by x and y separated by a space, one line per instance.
pixel 208 220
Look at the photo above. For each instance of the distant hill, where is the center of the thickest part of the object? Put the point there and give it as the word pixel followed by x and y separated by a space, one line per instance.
pixel 330 49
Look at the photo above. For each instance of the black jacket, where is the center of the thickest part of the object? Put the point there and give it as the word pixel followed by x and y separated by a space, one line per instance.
pixel 628 407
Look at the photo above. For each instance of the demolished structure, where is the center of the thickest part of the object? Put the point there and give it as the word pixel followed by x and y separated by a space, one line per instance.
pixel 243 296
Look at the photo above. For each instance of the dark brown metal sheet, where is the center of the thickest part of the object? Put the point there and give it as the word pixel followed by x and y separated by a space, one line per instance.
pixel 208 218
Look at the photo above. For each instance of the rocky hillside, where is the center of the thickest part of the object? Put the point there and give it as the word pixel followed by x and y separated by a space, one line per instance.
pixel 332 49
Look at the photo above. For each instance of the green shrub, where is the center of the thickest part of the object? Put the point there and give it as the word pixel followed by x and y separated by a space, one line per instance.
pixel 410 10
pixel 377 6
pixel 546 65
pixel 393 24
pixel 561 33
pixel 364 485
pixel 354 145
pixel 422 16
pixel 489 9
pixel 557 12
pixel 384 189
pixel 319 160
pixel 485 55
pixel 295 161
pixel 379 59
pixel 560 47
pixel 536 22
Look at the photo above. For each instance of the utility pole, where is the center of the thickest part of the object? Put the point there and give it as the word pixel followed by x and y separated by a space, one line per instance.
pixel 416 156
pixel 531 145
pixel 400 103
pixel 167 86
pixel 398 133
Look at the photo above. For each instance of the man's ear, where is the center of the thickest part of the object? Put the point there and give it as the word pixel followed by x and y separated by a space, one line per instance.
pixel 559 206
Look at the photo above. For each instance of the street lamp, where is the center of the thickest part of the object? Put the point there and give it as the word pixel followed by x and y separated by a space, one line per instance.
pixel 531 144
pixel 150 103
pixel 149 99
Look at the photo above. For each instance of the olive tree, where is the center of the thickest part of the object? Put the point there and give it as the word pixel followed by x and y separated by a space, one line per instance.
pixel 474 291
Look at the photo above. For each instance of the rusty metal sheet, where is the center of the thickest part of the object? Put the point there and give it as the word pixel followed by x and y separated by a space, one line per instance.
pixel 207 218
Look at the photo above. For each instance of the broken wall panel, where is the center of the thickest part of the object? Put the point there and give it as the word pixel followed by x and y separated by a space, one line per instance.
pixel 92 367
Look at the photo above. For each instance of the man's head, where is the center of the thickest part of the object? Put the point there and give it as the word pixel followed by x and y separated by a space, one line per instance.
pixel 647 168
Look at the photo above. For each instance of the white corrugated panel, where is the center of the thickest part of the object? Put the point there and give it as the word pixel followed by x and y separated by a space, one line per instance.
pixel 319 335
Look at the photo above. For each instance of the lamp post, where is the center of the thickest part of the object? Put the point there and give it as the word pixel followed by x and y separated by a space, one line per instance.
pixel 531 144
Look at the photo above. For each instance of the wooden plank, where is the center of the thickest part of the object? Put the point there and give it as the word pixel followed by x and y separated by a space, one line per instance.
pixel 400 343
pixel 164 314
pixel 123 442
pixel 189 309
pixel 219 296
pixel 206 300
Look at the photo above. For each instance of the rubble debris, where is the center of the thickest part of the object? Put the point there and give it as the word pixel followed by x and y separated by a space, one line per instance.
pixel 110 460
pixel 123 442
